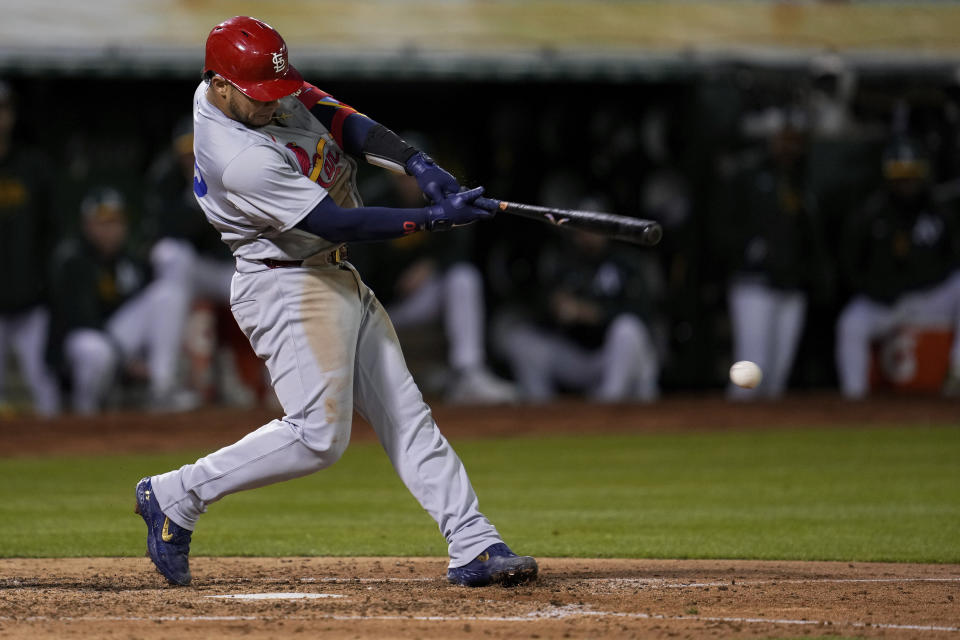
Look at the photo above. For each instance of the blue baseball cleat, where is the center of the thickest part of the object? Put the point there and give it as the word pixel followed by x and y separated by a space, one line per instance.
pixel 496 565
pixel 167 542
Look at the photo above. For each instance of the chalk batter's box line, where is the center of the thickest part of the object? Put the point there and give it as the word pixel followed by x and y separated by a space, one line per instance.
pixel 554 613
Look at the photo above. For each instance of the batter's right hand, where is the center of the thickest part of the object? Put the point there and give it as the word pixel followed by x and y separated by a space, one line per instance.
pixel 456 211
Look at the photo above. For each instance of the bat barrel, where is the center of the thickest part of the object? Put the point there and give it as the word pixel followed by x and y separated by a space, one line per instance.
pixel 643 232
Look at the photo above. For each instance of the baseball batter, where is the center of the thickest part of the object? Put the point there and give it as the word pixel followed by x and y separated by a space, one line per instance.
pixel 275 175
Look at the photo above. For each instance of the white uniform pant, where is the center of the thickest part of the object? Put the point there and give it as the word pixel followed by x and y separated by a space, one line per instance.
pixel 149 324
pixel 26 333
pixel 863 320
pixel 330 348
pixel 767 324
pixel 456 296
pixel 624 368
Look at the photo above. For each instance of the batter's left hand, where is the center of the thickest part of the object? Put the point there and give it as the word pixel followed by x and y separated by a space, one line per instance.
pixel 456 211
pixel 436 183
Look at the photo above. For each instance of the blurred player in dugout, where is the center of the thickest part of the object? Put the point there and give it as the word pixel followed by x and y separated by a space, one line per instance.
pixel 181 238
pixel 901 266
pixel 423 279
pixel 27 234
pixel 773 249
pixel 173 221
pixel 589 328
pixel 114 314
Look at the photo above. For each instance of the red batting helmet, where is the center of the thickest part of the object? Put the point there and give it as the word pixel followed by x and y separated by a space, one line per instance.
pixel 252 56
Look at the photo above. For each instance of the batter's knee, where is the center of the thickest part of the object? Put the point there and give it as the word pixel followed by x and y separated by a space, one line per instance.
pixel 327 439
pixel 327 454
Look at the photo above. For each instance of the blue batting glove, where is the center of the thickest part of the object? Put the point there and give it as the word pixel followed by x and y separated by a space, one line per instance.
pixel 433 181
pixel 455 211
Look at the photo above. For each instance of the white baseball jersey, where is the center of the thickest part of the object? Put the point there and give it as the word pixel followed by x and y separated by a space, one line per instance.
pixel 252 184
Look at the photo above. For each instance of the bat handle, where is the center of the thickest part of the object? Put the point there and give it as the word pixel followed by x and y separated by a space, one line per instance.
pixel 487 204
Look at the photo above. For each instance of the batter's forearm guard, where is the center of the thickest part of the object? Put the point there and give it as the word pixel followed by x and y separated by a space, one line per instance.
pixel 386 149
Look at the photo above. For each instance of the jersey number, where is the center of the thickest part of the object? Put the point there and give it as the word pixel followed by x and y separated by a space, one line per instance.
pixel 199 186
pixel 324 168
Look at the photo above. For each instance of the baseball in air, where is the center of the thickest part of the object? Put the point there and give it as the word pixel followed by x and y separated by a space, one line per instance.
pixel 745 374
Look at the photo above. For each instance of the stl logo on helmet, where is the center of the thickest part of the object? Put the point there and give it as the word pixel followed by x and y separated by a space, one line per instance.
pixel 279 62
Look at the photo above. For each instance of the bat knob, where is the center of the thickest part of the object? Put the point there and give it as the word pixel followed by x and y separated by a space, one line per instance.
pixel 487 204
pixel 652 235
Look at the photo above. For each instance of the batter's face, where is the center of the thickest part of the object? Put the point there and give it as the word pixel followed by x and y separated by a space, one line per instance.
pixel 237 106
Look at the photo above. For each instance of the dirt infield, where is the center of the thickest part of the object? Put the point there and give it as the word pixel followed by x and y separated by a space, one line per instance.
pixel 408 598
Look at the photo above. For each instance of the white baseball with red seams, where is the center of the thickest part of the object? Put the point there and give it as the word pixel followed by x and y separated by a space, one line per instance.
pixel 745 374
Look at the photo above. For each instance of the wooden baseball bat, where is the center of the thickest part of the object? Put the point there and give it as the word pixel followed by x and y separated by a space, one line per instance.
pixel 636 230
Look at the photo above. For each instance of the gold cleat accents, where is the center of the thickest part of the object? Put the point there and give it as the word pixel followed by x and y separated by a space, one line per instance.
pixel 165 534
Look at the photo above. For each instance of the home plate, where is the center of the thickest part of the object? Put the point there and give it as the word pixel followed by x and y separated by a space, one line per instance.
pixel 278 596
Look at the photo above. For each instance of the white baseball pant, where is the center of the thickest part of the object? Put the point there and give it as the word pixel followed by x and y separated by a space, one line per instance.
pixel 767 324
pixel 26 332
pixel 330 348
pixel 457 296
pixel 864 320
pixel 625 368
pixel 150 323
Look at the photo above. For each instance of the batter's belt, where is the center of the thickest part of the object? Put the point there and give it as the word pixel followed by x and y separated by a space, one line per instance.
pixel 336 256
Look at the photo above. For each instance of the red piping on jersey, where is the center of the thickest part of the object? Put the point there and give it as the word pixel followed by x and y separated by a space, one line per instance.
pixel 310 95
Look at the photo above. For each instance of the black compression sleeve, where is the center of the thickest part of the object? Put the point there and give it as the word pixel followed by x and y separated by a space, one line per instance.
pixel 385 144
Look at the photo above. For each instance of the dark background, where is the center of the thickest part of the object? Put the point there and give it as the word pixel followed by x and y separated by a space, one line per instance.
pixel 512 136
